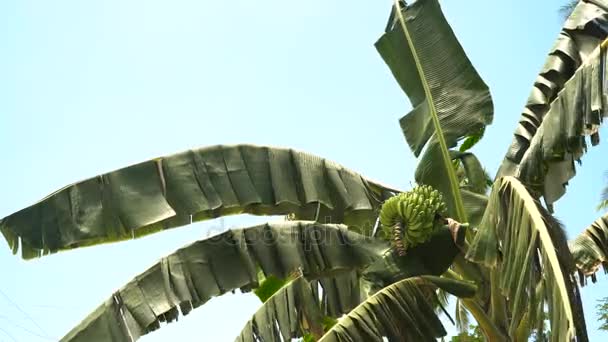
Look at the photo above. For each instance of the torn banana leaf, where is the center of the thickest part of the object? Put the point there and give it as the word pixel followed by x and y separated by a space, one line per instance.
pixel 560 141
pixel 299 308
pixel 193 186
pixel 461 98
pixel 529 250
pixel 338 294
pixel 207 268
pixel 583 31
pixel 590 249
pixel 403 311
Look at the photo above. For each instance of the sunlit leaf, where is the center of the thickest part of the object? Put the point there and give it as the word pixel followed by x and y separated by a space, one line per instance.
pixel 528 248
pixel 400 312
pixel 207 268
pixel 193 186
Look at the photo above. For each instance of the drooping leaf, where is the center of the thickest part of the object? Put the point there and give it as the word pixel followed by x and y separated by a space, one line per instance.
pixel 581 34
pixel 193 186
pixel 400 312
pixel 297 309
pixel 192 275
pixel 528 248
pixel 590 249
pixel 577 111
pixel 461 98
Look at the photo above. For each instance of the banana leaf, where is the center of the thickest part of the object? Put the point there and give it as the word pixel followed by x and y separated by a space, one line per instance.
pixel 193 186
pixel 582 32
pixel 461 98
pixel 590 249
pixel 432 68
pixel 528 250
pixel 207 268
pixel 577 111
pixel 299 308
pixel 400 312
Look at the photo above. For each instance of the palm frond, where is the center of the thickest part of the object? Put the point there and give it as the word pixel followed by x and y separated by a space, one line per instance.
pixel 193 186
pixel 400 312
pixel 529 250
pixel 192 275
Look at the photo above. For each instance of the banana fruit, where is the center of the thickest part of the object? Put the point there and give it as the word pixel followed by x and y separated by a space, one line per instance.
pixel 408 219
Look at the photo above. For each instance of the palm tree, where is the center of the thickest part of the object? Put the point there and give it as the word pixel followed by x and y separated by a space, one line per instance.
pixel 379 260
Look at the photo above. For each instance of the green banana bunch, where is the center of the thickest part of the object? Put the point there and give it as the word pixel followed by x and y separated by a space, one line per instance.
pixel 408 219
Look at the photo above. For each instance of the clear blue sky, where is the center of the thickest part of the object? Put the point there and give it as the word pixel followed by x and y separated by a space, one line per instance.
pixel 90 86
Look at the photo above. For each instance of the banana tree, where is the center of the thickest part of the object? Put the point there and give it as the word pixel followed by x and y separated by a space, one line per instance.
pixel 358 260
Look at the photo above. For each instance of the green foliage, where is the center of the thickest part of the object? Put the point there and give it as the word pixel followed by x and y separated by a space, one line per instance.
pixel 402 311
pixel 268 287
pixel 308 338
pixel 473 334
pixel 471 140
pixel 602 312
pixel 327 321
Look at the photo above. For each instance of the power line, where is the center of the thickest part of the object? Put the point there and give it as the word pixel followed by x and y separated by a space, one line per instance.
pixel 24 313
pixel 7 334
pixel 55 307
pixel 8 319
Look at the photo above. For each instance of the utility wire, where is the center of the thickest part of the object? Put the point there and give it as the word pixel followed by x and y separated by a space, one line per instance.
pixel 7 334
pixel 8 319
pixel 24 313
